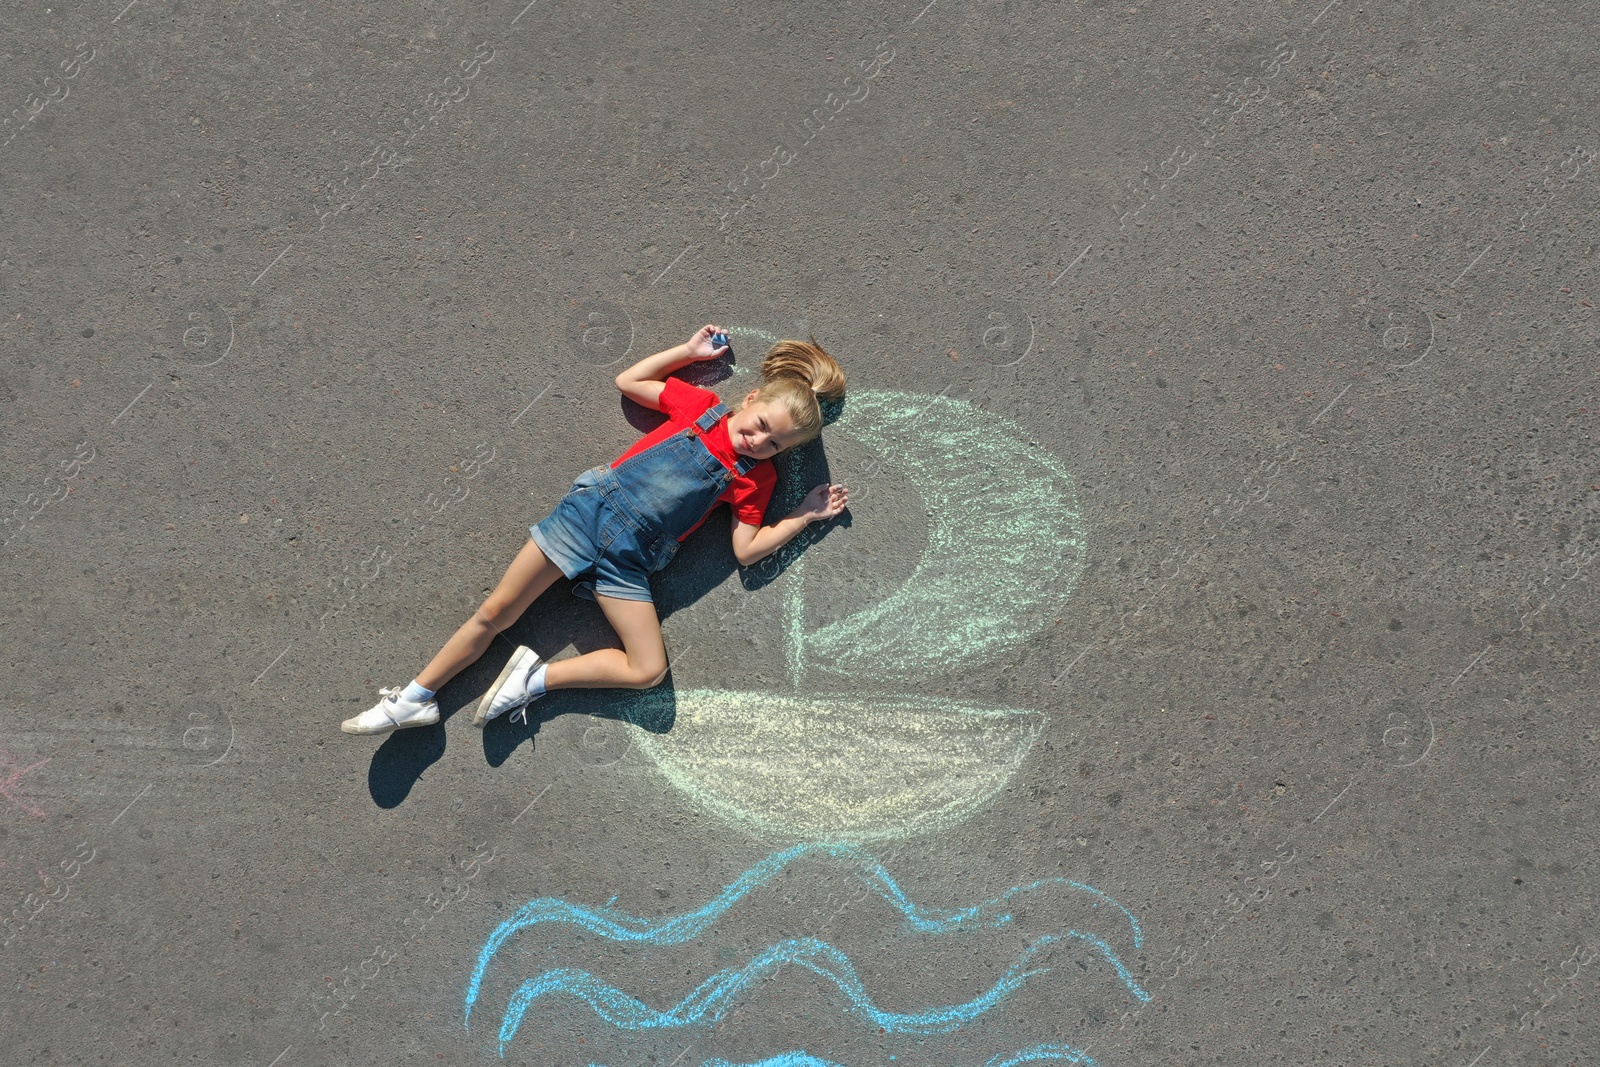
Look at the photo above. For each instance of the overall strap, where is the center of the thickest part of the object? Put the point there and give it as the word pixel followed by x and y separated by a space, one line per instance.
pixel 704 424
pixel 712 416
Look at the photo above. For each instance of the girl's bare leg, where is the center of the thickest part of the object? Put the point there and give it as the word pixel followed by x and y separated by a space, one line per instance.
pixel 639 664
pixel 530 574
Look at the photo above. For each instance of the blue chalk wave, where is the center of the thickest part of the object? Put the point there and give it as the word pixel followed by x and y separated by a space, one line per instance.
pixel 1034 1054
pixel 621 926
pixel 712 999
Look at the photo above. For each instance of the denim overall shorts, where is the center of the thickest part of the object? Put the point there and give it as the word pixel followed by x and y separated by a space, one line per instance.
pixel 618 525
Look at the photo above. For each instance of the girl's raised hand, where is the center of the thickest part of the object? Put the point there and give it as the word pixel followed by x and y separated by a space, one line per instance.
pixel 824 502
pixel 700 346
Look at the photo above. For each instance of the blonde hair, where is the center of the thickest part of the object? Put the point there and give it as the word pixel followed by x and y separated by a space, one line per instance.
pixel 799 375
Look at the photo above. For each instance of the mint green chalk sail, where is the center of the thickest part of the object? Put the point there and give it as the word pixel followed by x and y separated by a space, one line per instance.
pixel 1005 542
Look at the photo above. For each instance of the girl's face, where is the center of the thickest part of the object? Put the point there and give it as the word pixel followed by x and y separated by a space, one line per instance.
pixel 761 430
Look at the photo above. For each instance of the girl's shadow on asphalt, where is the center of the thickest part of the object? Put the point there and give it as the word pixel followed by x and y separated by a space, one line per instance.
pixel 706 562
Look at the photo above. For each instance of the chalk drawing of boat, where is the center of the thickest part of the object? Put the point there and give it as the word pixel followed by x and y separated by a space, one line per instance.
pixel 1004 547
pixel 860 750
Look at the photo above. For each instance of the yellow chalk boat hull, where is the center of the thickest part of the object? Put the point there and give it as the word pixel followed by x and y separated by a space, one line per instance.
pixel 845 768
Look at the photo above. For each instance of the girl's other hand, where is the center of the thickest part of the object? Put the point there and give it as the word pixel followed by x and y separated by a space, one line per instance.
pixel 824 502
pixel 700 346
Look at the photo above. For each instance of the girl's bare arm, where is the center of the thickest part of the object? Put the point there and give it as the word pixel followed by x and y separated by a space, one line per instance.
pixel 645 379
pixel 754 543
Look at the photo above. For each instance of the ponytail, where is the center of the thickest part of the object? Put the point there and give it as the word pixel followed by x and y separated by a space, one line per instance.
pixel 799 375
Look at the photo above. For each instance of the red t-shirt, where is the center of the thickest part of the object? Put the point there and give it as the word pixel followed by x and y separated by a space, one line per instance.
pixel 683 403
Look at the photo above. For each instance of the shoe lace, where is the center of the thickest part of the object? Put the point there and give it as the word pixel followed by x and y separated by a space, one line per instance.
pixel 522 711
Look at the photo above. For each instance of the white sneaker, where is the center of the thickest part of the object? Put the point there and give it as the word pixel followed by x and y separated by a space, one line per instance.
pixel 510 690
pixel 392 713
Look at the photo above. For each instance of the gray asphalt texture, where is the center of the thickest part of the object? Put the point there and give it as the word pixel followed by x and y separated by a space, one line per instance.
pixel 307 311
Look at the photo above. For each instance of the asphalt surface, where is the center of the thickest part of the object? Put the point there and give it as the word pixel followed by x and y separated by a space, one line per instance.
pixel 306 314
